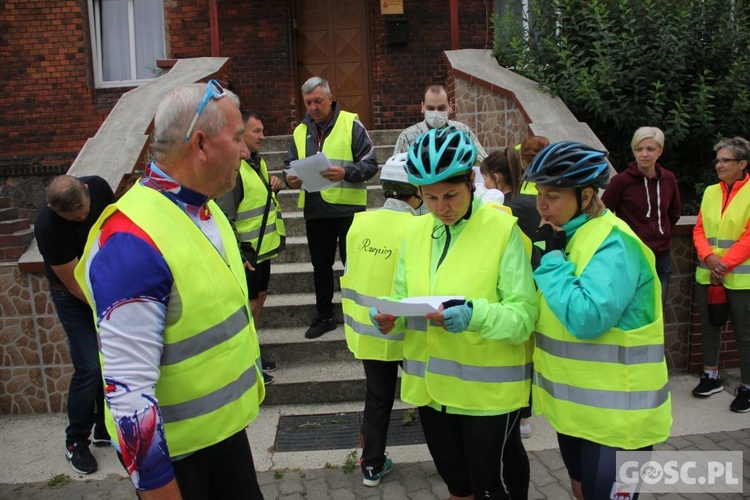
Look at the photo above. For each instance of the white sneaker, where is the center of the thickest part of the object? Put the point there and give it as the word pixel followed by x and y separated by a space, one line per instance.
pixel 525 431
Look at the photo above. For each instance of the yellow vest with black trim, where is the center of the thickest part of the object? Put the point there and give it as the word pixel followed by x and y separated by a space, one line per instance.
pixel 337 147
pixel 251 209
pixel 210 384
pixel 612 390
pixel 462 370
pixel 723 231
pixel 373 246
pixel 529 188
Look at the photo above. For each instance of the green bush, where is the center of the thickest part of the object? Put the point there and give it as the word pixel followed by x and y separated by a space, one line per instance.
pixel 680 65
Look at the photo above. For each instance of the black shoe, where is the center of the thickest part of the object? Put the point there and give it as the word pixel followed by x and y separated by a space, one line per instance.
pixel 707 386
pixel 741 403
pixel 101 436
pixel 319 327
pixel 80 458
pixel 267 379
pixel 268 366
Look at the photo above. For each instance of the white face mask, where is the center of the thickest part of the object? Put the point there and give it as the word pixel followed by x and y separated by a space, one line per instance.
pixel 436 119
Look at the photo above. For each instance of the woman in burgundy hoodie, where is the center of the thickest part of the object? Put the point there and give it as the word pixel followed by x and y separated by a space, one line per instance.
pixel 646 196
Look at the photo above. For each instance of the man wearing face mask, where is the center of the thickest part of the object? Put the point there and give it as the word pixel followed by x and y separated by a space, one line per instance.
pixel 436 109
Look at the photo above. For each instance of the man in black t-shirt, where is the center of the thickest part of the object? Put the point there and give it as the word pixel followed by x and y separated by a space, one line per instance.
pixel 61 229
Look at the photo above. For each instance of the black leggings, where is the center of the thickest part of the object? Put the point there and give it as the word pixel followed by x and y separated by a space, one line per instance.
pixel 480 456
pixel 591 464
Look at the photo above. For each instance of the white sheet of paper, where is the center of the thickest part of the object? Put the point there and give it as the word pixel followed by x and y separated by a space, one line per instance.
pixel 412 306
pixel 309 169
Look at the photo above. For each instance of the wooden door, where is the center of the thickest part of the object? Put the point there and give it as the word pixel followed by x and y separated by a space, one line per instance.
pixel 332 42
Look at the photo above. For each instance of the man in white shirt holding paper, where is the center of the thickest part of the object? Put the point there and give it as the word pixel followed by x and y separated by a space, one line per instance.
pixel 329 213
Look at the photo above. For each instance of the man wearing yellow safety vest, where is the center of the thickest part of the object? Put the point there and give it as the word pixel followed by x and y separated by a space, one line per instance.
pixel 163 274
pixel 600 373
pixel 255 214
pixel 329 213
pixel 373 245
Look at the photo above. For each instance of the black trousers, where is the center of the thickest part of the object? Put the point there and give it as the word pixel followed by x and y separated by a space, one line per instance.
pixel 222 471
pixel 480 456
pixel 381 390
pixel 323 236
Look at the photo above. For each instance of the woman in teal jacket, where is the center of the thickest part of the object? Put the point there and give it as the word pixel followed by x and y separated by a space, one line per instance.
pixel 601 376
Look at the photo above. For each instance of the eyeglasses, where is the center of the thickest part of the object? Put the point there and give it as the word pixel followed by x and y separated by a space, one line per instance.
pixel 724 161
pixel 213 91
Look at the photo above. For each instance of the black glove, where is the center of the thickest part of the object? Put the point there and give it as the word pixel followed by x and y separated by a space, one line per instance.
pixel 546 239
pixel 249 253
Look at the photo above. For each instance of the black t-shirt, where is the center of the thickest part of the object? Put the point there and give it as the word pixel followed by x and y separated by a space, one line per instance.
pixel 60 240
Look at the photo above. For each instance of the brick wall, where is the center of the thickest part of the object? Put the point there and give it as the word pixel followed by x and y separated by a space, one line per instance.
pixel 50 106
pixel 400 73
pixel 47 104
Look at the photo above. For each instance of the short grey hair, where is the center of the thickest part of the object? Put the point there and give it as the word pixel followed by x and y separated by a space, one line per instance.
pixel 314 82
pixel 176 111
pixel 739 147
pixel 642 133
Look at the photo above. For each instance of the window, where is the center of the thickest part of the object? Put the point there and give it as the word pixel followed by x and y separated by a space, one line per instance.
pixel 127 39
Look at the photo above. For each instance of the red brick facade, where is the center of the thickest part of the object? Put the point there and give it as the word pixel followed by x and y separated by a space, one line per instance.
pixel 50 106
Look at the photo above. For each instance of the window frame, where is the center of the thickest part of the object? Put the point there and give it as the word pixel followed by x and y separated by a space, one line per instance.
pixel 95 21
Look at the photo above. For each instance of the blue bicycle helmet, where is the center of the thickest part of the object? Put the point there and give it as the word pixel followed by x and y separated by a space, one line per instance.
pixel 438 155
pixel 569 164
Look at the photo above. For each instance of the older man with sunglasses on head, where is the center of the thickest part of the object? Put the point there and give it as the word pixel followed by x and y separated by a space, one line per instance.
pixel 163 273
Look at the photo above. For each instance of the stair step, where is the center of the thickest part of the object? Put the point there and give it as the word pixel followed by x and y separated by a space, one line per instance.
pixel 287 346
pixel 11 226
pixel 295 310
pixel 317 382
pixel 8 213
pixel 297 277
pixel 4 201
pixel 17 239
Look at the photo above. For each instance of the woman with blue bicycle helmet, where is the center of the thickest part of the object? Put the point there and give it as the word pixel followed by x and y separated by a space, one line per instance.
pixel 467 367
pixel 600 373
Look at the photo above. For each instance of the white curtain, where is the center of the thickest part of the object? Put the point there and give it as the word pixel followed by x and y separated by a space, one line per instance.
pixel 149 37
pixel 116 43
pixel 115 40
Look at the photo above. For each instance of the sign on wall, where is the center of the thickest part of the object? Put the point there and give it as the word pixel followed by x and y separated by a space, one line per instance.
pixel 391 6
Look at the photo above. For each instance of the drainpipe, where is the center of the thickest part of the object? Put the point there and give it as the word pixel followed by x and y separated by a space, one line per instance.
pixel 213 11
pixel 454 24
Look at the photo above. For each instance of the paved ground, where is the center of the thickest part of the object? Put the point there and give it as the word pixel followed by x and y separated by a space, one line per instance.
pixel 32 467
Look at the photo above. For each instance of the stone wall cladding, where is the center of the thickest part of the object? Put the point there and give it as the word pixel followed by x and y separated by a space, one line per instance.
pixel 36 368
pixel 495 118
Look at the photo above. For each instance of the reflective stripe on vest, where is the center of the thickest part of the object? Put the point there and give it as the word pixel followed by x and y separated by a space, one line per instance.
pixel 469 373
pixel 611 390
pixel 461 370
pixel 373 247
pixel 604 353
pixel 596 398
pixel 200 405
pixel 337 146
pixel 723 230
pixel 251 209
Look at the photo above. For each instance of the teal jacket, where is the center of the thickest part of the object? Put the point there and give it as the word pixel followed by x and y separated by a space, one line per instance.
pixel 613 291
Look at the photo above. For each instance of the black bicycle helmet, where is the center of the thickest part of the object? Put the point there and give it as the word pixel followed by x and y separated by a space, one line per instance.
pixel 569 164
pixel 438 155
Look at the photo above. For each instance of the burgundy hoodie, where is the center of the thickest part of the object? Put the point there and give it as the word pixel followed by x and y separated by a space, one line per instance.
pixel 651 207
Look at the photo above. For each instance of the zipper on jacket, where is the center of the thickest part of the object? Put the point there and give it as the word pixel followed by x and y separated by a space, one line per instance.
pixel 445 248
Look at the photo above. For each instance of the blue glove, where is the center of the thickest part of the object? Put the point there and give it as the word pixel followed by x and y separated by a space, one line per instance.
pixel 457 315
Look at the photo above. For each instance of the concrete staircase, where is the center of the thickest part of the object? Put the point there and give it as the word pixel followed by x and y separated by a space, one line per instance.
pixel 15 231
pixel 316 371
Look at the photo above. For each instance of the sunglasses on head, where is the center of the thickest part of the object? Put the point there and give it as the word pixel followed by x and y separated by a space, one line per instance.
pixel 213 91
